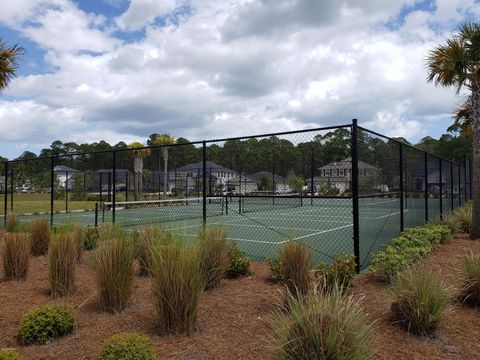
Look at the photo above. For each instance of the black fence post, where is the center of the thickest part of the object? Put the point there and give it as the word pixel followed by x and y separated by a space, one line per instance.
pixel 66 192
pixel 101 186
pixel 440 179
pixel 451 186
pixel 114 183
pixel 402 190
pixel 459 192
pixel 52 188
pixel 470 175
pixel 96 214
pixel 426 187
pixel 355 205
pixel 126 185
pixel 5 195
pixel 204 180
pixel 109 186
pixel 12 189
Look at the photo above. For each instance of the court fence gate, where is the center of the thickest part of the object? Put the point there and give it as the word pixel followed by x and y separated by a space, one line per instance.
pixel 337 189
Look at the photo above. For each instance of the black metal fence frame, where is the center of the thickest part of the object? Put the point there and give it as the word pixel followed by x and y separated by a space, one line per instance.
pixel 466 169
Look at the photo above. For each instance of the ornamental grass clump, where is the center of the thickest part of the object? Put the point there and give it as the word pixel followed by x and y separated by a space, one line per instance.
pixel 460 221
pixel 470 290
pixel 46 323
pixel 78 233
pixel 114 273
pixel 296 265
pixel 62 260
pixel 127 346
pixel 418 300
pixel 177 285
pixel 11 224
pixel 16 256
pixel 327 325
pixel 145 240
pixel 39 236
pixel 108 232
pixel 213 254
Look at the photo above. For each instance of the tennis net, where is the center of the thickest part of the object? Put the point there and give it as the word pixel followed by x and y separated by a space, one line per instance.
pixel 133 213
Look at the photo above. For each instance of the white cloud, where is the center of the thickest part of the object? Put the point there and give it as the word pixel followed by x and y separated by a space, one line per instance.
pixel 234 67
pixel 141 13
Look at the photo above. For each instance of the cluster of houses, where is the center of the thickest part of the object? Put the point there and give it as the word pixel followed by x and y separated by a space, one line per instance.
pixel 336 175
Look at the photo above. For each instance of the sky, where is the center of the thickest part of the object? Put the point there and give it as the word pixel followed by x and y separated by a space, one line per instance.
pixel 120 70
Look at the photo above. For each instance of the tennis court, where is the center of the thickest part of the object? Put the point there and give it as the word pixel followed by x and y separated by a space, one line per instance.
pixel 260 224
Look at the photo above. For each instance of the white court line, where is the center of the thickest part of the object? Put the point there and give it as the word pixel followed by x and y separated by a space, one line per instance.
pixel 249 240
pixel 323 232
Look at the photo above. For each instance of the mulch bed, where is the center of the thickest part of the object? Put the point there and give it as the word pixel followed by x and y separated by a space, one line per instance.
pixel 234 320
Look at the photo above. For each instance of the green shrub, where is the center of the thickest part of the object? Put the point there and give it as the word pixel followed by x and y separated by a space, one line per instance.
pixel 275 269
pixel 388 262
pixel 296 264
pixel 46 323
pixel 340 272
pixel 470 291
pixel 39 236
pixel 16 256
pixel 11 225
pixel 127 346
pixel 213 255
pixel 62 258
pixel 9 354
pixel 114 273
pixel 238 263
pixel 177 284
pixel 418 300
pixel 90 238
pixel 413 245
pixel 322 326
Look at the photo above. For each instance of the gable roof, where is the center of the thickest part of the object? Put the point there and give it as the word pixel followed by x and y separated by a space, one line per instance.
pixel 63 169
pixel 198 167
pixel 347 164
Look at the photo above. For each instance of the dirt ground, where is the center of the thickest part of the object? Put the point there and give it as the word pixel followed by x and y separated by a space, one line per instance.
pixel 234 320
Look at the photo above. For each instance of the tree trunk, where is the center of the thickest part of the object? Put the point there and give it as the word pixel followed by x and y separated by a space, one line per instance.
pixel 475 229
pixel 165 170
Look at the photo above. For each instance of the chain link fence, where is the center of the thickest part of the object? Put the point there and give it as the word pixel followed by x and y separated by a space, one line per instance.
pixel 341 189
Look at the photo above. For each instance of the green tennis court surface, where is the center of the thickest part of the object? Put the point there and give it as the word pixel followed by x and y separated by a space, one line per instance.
pixel 260 226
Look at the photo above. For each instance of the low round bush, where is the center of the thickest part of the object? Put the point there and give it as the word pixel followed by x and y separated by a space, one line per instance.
pixel 46 323
pixel 127 346
pixel 9 354
pixel 239 264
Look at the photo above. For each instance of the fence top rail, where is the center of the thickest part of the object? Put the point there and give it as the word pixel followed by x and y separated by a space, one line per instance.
pixel 408 145
pixel 198 142
pixel 201 142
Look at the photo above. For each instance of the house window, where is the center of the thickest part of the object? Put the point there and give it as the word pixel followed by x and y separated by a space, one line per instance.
pixel 341 172
pixel 327 172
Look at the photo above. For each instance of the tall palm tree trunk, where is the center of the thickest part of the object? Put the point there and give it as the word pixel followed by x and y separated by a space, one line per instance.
pixel 475 230
pixel 137 181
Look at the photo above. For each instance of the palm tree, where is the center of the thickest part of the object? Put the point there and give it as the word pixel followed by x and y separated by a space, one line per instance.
pixel 9 58
pixel 138 153
pixel 457 63
pixel 164 140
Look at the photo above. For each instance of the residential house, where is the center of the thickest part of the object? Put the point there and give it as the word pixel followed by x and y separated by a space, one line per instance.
pixel 280 182
pixel 337 176
pixel 64 175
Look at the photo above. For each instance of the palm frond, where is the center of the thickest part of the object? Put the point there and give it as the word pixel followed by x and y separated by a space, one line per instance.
pixel 9 60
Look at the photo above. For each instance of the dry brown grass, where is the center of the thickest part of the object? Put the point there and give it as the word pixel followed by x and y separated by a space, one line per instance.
pixel 16 256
